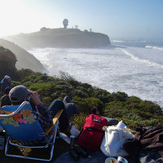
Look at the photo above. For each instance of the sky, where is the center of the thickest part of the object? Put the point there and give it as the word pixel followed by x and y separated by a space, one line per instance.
pixel 135 19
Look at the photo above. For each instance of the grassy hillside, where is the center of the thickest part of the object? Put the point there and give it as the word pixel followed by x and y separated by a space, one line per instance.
pixel 132 110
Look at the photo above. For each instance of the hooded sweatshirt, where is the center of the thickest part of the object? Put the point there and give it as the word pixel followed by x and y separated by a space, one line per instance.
pixel 70 107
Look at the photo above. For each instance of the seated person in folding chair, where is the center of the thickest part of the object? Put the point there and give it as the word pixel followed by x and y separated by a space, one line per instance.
pixel 45 116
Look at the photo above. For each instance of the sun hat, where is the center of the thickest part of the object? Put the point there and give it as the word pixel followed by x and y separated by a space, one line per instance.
pixel 18 93
pixel 7 77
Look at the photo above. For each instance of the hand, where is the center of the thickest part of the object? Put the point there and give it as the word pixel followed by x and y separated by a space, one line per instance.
pixel 35 98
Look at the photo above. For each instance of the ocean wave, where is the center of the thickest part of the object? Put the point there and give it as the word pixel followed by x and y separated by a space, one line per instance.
pixel 154 47
pixel 141 60
pixel 112 69
pixel 117 41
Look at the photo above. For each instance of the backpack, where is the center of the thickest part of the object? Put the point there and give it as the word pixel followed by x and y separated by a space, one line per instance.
pixel 92 133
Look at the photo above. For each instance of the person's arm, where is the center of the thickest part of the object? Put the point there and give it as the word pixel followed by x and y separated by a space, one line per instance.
pixel 35 98
pixel 43 113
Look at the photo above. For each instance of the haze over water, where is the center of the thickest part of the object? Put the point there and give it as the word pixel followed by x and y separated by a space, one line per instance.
pixel 133 67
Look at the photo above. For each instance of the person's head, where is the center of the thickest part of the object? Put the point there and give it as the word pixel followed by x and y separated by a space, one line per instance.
pixel 6 77
pixel 95 110
pixel 7 90
pixel 18 94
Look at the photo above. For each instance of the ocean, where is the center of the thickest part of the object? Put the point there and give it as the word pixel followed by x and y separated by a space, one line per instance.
pixel 131 66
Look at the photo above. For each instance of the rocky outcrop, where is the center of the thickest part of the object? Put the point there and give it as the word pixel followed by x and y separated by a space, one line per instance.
pixel 60 38
pixel 23 58
pixel 7 64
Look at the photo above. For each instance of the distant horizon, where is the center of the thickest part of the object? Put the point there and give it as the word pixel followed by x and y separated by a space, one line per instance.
pixel 116 18
pixel 111 38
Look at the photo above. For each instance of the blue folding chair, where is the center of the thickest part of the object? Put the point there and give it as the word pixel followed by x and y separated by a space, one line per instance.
pixel 21 124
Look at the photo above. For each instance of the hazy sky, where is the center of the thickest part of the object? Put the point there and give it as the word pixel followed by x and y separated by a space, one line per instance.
pixel 116 18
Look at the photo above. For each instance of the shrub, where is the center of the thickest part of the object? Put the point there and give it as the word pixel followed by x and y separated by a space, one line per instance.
pixel 85 104
pixel 46 101
pixel 15 83
pixel 132 110
pixel 78 120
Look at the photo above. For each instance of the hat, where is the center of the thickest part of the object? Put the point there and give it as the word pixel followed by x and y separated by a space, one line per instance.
pixel 7 77
pixel 18 93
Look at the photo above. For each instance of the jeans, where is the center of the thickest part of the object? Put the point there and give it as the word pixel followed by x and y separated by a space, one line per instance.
pixel 63 120
pixel 53 108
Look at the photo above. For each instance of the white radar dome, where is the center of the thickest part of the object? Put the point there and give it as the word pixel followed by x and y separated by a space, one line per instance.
pixel 65 21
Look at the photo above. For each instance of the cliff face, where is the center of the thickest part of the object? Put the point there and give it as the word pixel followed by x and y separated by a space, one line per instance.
pixel 60 38
pixel 23 58
pixel 7 64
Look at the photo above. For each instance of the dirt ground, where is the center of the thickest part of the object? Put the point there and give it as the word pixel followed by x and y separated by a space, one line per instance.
pixel 60 147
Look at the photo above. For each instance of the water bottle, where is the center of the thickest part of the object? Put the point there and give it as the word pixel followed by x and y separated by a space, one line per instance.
pixel 72 141
pixel 72 152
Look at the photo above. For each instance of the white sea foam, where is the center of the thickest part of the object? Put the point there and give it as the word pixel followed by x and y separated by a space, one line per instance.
pixel 113 41
pixel 141 60
pixel 154 47
pixel 136 71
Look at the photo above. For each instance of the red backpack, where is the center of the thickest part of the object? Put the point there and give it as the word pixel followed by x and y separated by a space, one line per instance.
pixel 93 132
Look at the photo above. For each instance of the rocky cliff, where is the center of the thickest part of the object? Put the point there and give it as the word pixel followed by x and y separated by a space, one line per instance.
pixel 23 59
pixel 60 38
pixel 7 64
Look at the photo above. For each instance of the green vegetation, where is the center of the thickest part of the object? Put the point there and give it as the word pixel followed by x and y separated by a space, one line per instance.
pixel 132 110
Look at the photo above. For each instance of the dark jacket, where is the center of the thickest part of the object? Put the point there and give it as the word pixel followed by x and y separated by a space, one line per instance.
pixel 5 100
pixel 5 83
pixel 146 142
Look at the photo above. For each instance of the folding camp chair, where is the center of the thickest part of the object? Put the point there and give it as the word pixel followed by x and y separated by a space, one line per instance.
pixel 21 124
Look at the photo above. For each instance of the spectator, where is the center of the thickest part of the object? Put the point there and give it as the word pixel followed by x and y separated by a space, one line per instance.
pixel 71 108
pixel 44 115
pixel 5 82
pixel 111 121
pixel 95 111
pixel 5 100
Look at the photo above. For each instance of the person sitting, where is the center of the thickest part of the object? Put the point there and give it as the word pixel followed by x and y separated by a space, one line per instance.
pixel 45 116
pixel 71 108
pixel 111 121
pixel 5 100
pixel 95 111
pixel 5 82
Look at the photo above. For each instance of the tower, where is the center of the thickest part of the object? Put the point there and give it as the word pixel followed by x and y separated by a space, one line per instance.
pixel 65 23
